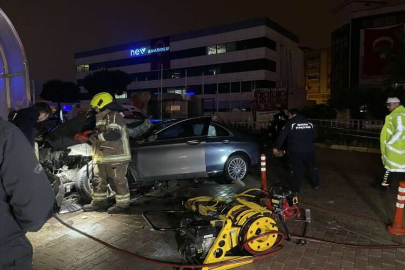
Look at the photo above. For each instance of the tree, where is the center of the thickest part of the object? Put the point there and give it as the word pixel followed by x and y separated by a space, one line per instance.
pixel 114 82
pixel 59 91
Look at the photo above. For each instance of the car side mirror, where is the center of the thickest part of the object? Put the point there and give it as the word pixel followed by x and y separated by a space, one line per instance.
pixel 152 138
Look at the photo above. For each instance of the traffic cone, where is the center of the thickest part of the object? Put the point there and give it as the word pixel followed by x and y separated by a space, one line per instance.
pixel 264 175
pixel 397 227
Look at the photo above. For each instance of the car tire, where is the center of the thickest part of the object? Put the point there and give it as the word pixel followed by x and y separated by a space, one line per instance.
pixel 236 168
pixel 83 184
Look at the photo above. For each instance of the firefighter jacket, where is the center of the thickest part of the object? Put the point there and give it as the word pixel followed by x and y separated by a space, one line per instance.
pixel 110 142
pixel 26 196
pixel 392 141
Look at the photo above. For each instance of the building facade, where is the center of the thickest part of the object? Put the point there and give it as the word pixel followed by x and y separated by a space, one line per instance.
pixel 220 66
pixel 317 67
pixel 363 30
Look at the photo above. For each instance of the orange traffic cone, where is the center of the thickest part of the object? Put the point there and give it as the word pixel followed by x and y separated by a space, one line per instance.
pixel 397 227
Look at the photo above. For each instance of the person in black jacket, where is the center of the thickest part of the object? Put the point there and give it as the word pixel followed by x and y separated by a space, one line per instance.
pixel 26 119
pixel 301 135
pixel 26 198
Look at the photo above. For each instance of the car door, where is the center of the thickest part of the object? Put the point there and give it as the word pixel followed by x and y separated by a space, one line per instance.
pixel 176 152
pixel 219 145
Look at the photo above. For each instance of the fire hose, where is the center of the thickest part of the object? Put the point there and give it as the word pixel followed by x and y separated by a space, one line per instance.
pixel 180 265
pixel 258 257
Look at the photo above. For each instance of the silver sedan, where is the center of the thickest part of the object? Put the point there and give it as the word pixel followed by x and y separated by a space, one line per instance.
pixel 192 148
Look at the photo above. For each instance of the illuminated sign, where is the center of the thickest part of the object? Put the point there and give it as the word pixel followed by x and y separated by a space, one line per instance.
pixel 147 51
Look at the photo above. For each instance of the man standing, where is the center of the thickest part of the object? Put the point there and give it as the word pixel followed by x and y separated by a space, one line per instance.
pixel 26 198
pixel 301 135
pixel 279 120
pixel 111 155
pixel 392 141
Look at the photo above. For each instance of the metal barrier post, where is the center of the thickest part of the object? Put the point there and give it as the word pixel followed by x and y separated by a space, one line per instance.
pixel 264 175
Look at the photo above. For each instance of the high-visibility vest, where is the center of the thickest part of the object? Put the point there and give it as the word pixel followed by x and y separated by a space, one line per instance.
pixel 392 141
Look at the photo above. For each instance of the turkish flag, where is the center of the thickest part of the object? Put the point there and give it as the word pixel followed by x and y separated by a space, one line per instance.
pixel 376 40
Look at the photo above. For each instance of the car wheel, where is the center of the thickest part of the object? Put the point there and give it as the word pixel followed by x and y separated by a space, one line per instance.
pixel 236 168
pixel 84 185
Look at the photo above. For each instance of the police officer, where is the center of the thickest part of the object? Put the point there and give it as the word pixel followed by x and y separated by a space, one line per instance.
pixel 392 141
pixel 301 135
pixel 111 155
pixel 26 198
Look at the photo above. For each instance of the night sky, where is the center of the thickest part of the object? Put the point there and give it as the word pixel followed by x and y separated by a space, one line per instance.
pixel 53 30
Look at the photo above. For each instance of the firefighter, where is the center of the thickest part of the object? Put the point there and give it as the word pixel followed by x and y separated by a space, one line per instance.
pixel 392 141
pixel 26 198
pixel 301 135
pixel 111 155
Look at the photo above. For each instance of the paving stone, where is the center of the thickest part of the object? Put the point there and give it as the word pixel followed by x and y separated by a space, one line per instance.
pixel 346 265
pixel 306 263
pixel 375 253
pixel 282 258
pixel 388 258
pixel 389 267
pixel 348 256
pixel 324 251
pixel 310 253
pixel 277 266
pixel 291 265
pixel 333 267
pixel 335 258
pixel 374 262
pixel 362 253
pixel 361 263
pixel 296 256
pixel 321 261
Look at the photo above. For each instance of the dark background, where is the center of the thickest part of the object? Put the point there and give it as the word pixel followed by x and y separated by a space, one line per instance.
pixel 53 30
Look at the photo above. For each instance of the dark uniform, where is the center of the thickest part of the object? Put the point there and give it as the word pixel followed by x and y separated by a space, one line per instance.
pixel 25 120
pixel 279 120
pixel 26 198
pixel 111 155
pixel 301 135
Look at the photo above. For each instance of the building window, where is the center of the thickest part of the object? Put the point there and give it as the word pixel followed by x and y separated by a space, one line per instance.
pixel 313 77
pixel 123 96
pixel 231 47
pixel 221 48
pixel 212 49
pixel 83 68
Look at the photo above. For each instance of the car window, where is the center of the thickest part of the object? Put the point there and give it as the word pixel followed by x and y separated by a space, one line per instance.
pixel 183 130
pixel 172 132
pixel 217 131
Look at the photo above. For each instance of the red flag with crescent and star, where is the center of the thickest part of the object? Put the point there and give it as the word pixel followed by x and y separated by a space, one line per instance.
pixel 376 40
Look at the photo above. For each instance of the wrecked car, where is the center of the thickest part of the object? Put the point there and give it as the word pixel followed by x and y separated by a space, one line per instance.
pixel 192 148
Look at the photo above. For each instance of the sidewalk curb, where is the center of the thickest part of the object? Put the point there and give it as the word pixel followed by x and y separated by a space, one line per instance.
pixel 349 148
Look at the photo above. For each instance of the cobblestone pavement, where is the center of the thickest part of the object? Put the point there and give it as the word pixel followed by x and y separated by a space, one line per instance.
pixel 56 247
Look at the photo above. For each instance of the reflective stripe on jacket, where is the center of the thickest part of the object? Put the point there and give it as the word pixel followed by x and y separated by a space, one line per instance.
pixel 105 151
pixel 392 141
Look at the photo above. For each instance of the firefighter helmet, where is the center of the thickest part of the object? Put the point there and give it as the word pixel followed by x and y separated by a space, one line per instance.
pixel 101 100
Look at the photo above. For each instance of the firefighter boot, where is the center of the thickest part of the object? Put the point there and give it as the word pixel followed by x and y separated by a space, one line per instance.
pixel 117 209
pixel 95 207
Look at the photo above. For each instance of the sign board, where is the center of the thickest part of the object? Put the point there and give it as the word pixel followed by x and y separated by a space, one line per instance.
pixel 271 99
pixel 173 108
